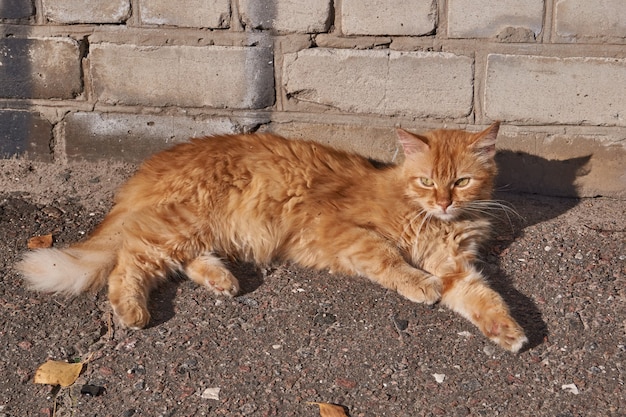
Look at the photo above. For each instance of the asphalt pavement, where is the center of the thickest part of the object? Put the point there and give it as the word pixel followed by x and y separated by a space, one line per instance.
pixel 296 336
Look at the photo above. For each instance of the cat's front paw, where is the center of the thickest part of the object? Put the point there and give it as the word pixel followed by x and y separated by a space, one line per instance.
pixel 503 330
pixel 422 290
pixel 225 284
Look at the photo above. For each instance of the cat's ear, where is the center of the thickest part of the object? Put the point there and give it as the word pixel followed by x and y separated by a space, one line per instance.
pixel 485 142
pixel 412 143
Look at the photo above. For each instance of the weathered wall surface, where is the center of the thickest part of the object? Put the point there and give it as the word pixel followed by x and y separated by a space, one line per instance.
pixel 123 78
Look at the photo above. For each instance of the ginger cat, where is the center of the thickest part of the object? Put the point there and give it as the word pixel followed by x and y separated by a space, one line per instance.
pixel 414 228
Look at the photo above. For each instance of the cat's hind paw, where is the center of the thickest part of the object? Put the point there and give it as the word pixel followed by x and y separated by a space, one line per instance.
pixel 426 290
pixel 131 315
pixel 209 271
pixel 228 286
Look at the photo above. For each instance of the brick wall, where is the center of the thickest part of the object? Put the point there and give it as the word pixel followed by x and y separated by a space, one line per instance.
pixel 120 79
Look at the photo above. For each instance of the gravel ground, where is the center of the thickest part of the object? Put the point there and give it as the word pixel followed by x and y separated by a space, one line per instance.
pixel 298 335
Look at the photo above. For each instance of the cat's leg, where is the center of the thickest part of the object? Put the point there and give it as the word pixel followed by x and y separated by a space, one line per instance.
pixel 154 244
pixel 468 294
pixel 130 284
pixel 412 283
pixel 368 254
pixel 209 271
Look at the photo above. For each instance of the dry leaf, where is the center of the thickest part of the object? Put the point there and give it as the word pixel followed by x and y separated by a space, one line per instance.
pixel 330 410
pixel 39 242
pixel 58 373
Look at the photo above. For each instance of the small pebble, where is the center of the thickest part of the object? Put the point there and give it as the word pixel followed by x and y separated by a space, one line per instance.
pixel 53 212
pixel 570 388
pixel 211 394
pixel 323 318
pixel 439 378
pixel 137 370
pixel 489 350
pixel 247 409
pixel 92 390
pixel 250 302
pixel 400 324
pixel 346 383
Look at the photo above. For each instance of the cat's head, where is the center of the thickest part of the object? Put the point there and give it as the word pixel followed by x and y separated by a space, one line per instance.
pixel 447 169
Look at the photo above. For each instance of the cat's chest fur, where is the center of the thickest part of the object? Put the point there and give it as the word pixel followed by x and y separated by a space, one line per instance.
pixel 446 247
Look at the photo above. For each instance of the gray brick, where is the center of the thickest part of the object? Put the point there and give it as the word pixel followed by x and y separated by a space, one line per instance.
pixel 388 17
pixel 188 76
pixel 581 18
pixel 421 84
pixel 133 137
pixel 311 16
pixel 16 9
pixel 487 18
pixel 39 68
pixel 25 133
pixel 213 14
pixel 538 90
pixel 378 143
pixel 86 11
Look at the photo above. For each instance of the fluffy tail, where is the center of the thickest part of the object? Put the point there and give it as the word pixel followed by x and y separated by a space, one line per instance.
pixel 81 267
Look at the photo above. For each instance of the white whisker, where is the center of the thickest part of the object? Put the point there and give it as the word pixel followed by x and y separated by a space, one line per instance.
pixel 492 208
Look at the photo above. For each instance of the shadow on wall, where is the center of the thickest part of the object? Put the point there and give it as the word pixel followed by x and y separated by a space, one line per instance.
pixel 258 15
pixel 522 172
pixel 15 127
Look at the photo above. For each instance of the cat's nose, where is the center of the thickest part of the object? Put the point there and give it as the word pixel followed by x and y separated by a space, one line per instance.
pixel 444 204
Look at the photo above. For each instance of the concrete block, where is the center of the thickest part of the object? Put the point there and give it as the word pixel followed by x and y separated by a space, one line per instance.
pixel 378 143
pixel 16 9
pixel 86 11
pixel 580 18
pixel 40 68
pixel 24 133
pixel 561 165
pixel 312 16
pixel 214 14
pixel 421 84
pixel 388 17
pixel 486 19
pixel 133 137
pixel 187 76
pixel 547 90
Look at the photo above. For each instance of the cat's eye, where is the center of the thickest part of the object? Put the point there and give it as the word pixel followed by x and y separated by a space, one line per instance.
pixel 426 182
pixel 461 182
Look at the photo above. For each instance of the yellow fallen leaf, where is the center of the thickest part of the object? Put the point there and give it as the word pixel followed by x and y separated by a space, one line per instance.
pixel 58 373
pixel 39 242
pixel 330 410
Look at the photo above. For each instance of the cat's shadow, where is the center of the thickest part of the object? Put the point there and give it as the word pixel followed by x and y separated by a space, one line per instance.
pixel 520 175
pixel 162 298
